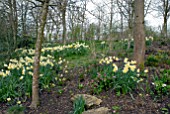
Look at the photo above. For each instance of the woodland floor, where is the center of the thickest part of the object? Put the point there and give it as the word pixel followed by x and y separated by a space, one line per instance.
pixel 54 103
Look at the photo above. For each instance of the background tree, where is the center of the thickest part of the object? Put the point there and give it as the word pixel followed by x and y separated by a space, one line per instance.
pixel 163 8
pixel 139 33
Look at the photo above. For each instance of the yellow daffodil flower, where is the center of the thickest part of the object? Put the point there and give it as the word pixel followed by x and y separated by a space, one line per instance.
pixel 146 71
pixel 8 99
pixel 125 60
pixel 125 70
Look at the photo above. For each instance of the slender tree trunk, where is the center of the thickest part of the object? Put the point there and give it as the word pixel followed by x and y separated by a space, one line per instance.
pixel 35 87
pixel 110 27
pixel 139 34
pixel 166 8
pixel 164 29
pixel 64 20
pixel 13 20
pixel 122 34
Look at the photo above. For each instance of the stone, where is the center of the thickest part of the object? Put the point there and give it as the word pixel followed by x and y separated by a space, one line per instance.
pixel 101 110
pixel 89 99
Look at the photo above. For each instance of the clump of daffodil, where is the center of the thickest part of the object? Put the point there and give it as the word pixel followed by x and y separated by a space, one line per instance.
pixel 129 65
pixel 108 60
pixel 123 78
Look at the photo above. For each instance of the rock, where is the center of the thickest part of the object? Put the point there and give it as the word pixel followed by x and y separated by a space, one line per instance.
pixel 89 99
pixel 101 110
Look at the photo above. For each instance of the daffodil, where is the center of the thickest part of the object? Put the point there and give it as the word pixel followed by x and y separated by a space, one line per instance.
pixel 18 102
pixel 133 62
pixel 125 60
pixel 163 85
pixel 8 99
pixel 146 71
pixel 66 71
pixel 23 71
pixel 53 85
pixel 107 62
pixel 132 67
pixel 115 69
pixel 30 73
pixel 117 59
pixel 125 70
pixel 21 77
pixel 138 75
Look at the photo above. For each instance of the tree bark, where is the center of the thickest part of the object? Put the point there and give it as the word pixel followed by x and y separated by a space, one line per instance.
pixel 139 33
pixel 35 87
pixel 64 5
pixel 13 20
pixel 166 8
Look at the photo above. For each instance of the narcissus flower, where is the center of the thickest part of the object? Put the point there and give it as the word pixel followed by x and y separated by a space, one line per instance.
pixel 8 99
pixel 146 71
pixel 132 67
pixel 125 70
pixel 125 60
pixel 21 77
pixel 133 62
pixel 163 85
pixel 117 59
pixel 115 69
pixel 18 102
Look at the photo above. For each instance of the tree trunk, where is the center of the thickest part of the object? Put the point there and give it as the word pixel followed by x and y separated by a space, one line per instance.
pixel 35 87
pixel 13 20
pixel 164 29
pixel 165 15
pixel 64 20
pixel 139 33
pixel 110 27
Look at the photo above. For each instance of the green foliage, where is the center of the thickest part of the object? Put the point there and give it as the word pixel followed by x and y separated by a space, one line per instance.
pixel 165 111
pixel 116 109
pixel 27 42
pixel 78 105
pixel 152 60
pixel 161 84
pixel 17 109
pixel 108 76
pixel 161 57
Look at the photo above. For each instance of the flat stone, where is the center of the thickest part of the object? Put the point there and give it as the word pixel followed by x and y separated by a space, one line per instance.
pixel 101 110
pixel 89 99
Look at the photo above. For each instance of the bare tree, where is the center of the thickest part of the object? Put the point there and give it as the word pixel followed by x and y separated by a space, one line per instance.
pixel 164 10
pixel 139 33
pixel 13 17
pixel 35 87
pixel 63 9
pixel 126 8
